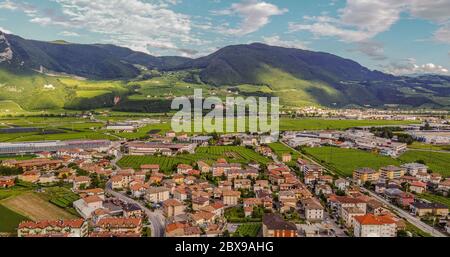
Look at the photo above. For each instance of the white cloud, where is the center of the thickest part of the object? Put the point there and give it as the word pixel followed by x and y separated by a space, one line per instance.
pixel 137 24
pixel 373 49
pixel 443 34
pixel 410 66
pixel 5 30
pixel 254 13
pixel 69 34
pixel 15 5
pixel 8 5
pixel 361 20
pixel 277 41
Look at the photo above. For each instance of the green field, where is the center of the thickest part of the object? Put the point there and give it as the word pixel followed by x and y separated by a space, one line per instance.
pixel 436 198
pixel 9 220
pixel 319 124
pixel 248 230
pixel 280 149
pixel 345 161
pixel 67 128
pixel 60 196
pixel 422 146
pixel 436 161
pixel 209 154
pixel 8 107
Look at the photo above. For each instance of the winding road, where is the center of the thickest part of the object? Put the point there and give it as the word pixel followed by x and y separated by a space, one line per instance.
pixel 156 219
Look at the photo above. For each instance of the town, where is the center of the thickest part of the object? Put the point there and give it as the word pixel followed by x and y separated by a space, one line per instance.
pixel 210 185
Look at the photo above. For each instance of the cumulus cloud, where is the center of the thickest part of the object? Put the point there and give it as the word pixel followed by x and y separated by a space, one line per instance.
pixel 361 20
pixel 277 41
pixel 442 34
pixel 410 66
pixel 69 34
pixel 373 49
pixel 137 24
pixel 15 5
pixel 254 14
pixel 5 30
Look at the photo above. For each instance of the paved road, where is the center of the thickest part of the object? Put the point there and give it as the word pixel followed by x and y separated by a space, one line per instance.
pixel 404 214
pixel 156 219
pixel 413 220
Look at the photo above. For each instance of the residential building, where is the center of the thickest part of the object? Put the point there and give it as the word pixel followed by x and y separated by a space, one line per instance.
pixel 274 225
pixel 231 197
pixel 86 206
pixel 286 157
pixel 370 225
pixel 81 182
pixel 414 168
pixel 391 172
pixel 348 213
pixel 119 225
pixel 150 167
pixel 423 208
pixel 313 209
pixel 364 175
pixel 6 182
pixel 53 228
pixel 157 194
pixel 173 207
pixel 418 187
pixel 33 164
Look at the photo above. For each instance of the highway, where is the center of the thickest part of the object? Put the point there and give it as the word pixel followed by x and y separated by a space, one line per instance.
pixel 411 219
pixel 156 219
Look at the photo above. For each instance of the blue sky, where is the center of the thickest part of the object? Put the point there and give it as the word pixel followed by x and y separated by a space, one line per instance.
pixel 396 36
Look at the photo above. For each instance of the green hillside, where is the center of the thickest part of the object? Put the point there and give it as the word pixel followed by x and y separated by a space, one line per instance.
pixel 30 91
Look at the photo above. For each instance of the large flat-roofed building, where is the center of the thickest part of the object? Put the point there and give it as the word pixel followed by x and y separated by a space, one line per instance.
pixel 151 148
pixel 52 146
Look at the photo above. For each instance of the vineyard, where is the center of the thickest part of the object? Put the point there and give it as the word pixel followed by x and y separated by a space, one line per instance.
pixel 209 154
pixel 61 197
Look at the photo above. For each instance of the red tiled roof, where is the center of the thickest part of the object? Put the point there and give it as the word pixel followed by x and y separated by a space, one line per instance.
pixel 370 219
pixel 51 223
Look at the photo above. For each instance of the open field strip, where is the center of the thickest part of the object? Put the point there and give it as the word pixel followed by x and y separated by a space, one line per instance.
pixel 34 207
pixel 9 220
pixel 208 154
pixel 438 162
pixel 345 161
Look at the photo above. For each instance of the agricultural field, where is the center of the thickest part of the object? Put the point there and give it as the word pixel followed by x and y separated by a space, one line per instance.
pixel 345 161
pixel 61 197
pixel 209 154
pixel 17 157
pixel 319 124
pixel 248 230
pixel 233 154
pixel 52 128
pixel 436 161
pixel 14 191
pixel 8 107
pixel 280 149
pixel 9 220
pixel 422 146
pixel 35 207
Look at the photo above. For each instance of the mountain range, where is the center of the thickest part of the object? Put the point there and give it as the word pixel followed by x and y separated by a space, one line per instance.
pixel 298 77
